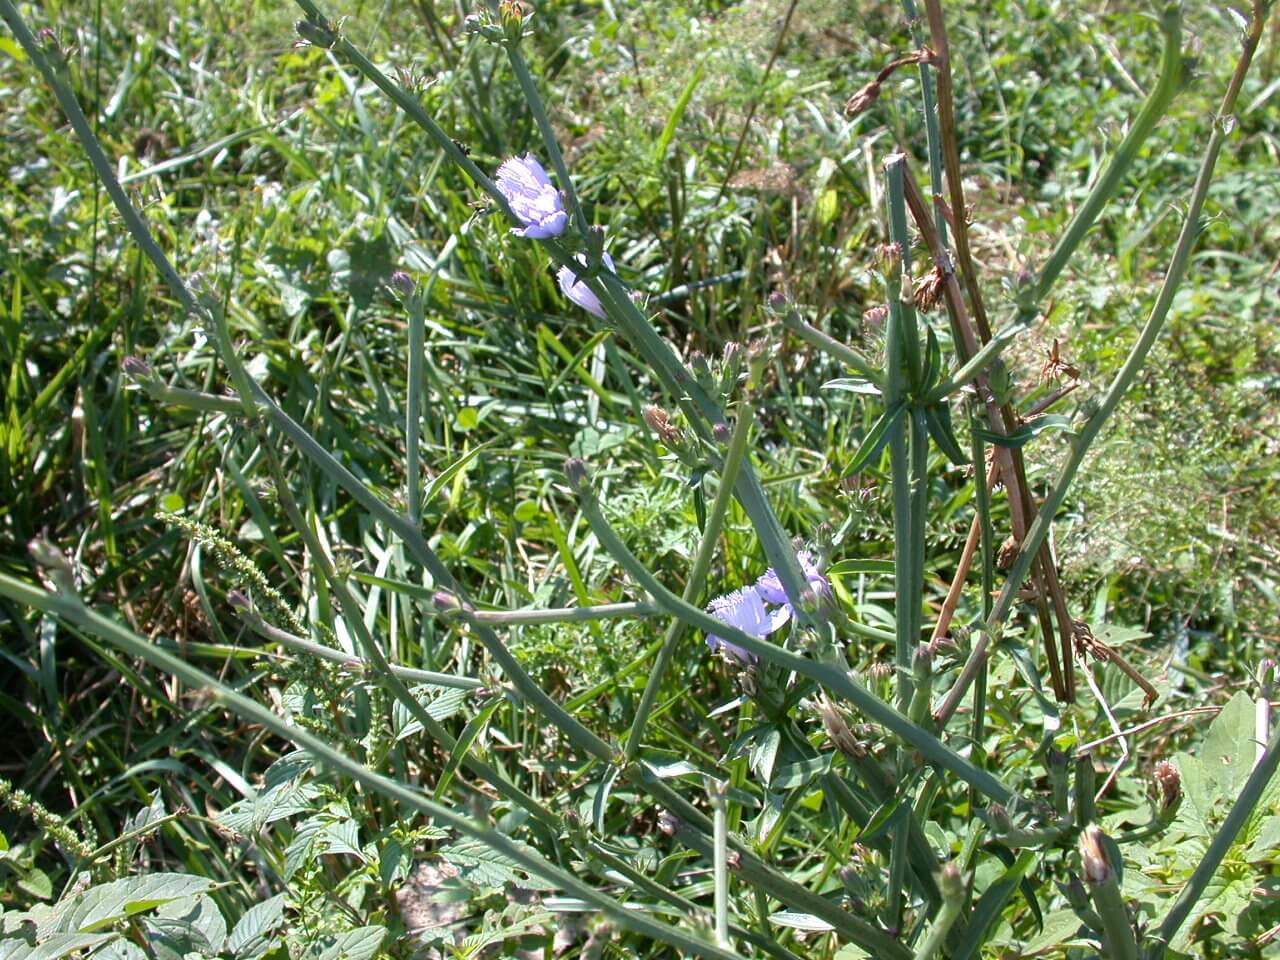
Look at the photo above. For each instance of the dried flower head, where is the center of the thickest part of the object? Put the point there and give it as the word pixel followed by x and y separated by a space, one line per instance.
pixel 1169 782
pixel 1007 553
pixel 863 100
pixel 875 317
pixel 837 729
pixel 1093 857
pixel 659 422
pixel 929 290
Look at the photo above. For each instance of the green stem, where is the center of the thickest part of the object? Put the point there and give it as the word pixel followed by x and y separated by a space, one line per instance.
pixel 1117 929
pixel 720 860
pixel 191 399
pixel 829 345
pixel 413 409
pixel 933 136
pixel 70 609
pixel 531 96
pixel 697 575
pixel 310 648
pixel 1155 107
pixel 603 611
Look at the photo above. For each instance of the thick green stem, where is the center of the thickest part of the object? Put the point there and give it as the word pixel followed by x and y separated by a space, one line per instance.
pixel 907 448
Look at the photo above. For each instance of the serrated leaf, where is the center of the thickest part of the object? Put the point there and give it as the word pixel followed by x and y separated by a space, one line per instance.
pixel 441 703
pixel 485 867
pixel 102 905
pixel 1228 750
pixel 359 944
pixel 764 751
pixel 251 936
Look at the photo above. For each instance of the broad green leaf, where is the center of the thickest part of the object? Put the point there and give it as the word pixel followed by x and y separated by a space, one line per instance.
pixel 359 944
pixel 102 905
pixel 1229 749
pixel 53 947
pixel 1061 930
pixel 203 914
pixel 251 936
pixel 174 939
pixel 484 867
pixel 36 883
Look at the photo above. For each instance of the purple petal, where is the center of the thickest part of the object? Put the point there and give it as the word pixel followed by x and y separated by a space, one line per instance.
pixel 532 198
pixel 579 292
pixel 770 585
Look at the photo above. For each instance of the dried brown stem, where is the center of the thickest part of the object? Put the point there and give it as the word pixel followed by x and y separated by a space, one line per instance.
pixel 1003 420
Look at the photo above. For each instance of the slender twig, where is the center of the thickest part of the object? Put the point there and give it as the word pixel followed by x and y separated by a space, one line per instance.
pixel 732 168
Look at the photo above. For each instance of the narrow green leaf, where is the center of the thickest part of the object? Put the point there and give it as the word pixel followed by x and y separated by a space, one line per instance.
pixel 677 113
pixel 876 438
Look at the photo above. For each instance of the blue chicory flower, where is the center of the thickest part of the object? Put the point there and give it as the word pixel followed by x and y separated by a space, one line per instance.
pixel 745 610
pixel 579 292
pixel 770 587
pixel 534 199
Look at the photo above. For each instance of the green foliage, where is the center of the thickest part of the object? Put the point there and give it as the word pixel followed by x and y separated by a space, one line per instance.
pixel 707 139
